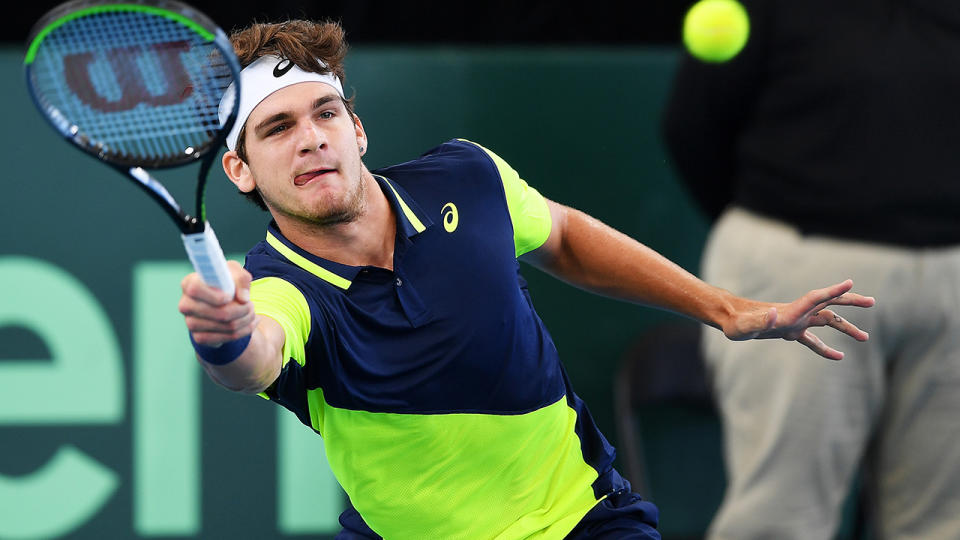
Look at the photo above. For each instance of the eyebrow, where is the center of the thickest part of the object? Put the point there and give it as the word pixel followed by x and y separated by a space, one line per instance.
pixel 282 116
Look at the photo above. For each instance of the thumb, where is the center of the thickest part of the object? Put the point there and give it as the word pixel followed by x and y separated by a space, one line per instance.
pixel 241 279
pixel 243 290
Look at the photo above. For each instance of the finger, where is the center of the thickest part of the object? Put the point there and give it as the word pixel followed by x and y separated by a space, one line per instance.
pixel 221 325
pixel 215 339
pixel 194 287
pixel 242 280
pixel 836 290
pixel 221 332
pixel 829 318
pixel 225 314
pixel 816 345
pixel 813 301
pixel 822 296
pixel 851 299
pixel 846 298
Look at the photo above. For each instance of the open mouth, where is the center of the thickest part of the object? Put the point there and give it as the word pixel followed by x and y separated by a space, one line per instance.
pixel 307 177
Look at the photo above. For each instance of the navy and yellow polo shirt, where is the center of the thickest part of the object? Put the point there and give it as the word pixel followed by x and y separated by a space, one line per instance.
pixel 443 405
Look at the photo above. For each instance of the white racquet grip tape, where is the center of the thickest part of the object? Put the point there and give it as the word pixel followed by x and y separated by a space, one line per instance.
pixel 208 260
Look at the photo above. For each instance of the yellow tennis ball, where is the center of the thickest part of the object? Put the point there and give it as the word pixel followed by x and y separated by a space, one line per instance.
pixel 716 30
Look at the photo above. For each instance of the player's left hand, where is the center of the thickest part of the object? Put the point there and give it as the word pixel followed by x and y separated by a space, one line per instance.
pixel 793 321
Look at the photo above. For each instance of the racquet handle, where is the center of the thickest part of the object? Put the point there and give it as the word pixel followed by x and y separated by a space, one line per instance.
pixel 208 260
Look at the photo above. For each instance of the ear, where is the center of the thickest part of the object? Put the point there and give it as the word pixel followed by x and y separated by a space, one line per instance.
pixel 238 172
pixel 361 135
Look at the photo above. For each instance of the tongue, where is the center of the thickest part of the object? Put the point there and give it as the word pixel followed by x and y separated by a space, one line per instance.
pixel 306 177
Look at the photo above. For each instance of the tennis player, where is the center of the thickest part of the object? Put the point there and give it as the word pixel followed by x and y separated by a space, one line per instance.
pixel 387 311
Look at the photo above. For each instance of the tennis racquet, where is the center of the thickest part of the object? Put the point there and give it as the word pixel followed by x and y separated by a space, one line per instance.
pixel 138 85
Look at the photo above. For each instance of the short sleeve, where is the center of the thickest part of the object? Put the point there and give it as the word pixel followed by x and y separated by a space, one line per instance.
pixel 281 301
pixel 528 209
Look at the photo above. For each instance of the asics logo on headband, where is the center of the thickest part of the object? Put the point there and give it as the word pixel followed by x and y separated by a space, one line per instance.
pixel 281 71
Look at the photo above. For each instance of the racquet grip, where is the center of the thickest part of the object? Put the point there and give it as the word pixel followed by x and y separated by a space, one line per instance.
pixel 208 260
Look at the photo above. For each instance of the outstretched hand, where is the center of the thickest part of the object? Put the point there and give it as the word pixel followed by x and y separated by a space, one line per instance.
pixel 212 316
pixel 793 321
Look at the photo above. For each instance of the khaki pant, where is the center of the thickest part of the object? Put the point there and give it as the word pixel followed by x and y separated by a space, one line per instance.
pixel 796 426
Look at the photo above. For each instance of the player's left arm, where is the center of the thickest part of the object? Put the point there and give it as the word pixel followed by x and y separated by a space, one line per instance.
pixel 586 253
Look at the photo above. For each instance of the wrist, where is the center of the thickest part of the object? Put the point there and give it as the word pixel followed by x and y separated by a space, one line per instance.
pixel 724 310
pixel 222 354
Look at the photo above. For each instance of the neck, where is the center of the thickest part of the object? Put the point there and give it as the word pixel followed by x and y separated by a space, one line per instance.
pixel 366 241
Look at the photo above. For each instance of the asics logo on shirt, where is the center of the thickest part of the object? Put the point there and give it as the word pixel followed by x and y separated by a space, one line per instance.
pixel 450 217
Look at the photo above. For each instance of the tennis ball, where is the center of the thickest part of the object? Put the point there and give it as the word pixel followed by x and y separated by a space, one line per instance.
pixel 716 30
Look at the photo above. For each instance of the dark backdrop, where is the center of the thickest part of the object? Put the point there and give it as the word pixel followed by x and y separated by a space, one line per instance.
pixel 452 22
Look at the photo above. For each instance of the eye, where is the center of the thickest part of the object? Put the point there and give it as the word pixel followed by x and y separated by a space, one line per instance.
pixel 326 115
pixel 279 128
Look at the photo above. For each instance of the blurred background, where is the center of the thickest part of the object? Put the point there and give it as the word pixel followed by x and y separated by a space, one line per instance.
pixel 435 22
pixel 108 427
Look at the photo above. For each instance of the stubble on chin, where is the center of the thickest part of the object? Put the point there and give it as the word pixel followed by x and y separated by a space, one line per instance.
pixel 351 210
pixel 323 215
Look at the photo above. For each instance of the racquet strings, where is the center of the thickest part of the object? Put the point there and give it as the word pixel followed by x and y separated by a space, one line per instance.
pixel 137 87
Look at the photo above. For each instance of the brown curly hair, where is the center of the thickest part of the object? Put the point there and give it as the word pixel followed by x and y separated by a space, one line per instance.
pixel 303 42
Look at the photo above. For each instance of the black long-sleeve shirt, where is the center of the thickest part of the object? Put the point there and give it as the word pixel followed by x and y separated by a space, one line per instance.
pixel 841 117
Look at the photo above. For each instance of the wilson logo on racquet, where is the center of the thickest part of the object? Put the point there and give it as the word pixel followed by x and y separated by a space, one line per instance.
pixel 129 82
pixel 281 71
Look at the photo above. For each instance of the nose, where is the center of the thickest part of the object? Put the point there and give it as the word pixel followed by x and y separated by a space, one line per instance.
pixel 312 138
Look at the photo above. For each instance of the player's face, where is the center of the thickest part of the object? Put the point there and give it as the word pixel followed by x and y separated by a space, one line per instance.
pixel 303 154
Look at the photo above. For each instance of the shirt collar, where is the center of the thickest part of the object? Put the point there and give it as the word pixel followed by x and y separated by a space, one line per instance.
pixel 411 221
pixel 339 275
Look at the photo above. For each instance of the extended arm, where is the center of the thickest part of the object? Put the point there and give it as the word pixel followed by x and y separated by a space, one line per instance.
pixel 215 320
pixel 593 256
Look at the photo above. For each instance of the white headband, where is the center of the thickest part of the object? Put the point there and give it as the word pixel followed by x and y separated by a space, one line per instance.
pixel 261 78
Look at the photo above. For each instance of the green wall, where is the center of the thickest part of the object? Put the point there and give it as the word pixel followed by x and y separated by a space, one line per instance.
pixel 107 426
